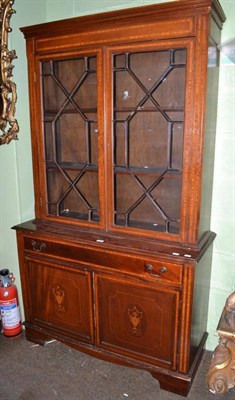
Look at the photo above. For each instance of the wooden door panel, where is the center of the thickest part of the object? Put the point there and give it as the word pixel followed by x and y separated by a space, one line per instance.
pixel 138 320
pixel 61 299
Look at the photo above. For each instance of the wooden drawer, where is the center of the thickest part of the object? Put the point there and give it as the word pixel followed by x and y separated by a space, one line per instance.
pixel 149 268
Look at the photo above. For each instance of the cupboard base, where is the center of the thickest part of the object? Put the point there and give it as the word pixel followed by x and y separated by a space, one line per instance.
pixel 169 380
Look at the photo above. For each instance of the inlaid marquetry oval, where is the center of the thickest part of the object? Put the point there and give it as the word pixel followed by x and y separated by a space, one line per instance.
pixel 135 320
pixel 58 297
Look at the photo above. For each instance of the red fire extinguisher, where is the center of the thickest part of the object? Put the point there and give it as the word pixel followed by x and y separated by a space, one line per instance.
pixel 9 305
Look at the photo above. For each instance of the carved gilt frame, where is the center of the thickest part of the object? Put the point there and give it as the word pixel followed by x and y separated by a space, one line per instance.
pixel 8 97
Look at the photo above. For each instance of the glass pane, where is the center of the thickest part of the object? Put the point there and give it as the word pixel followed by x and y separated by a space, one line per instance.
pixel 170 94
pixel 83 202
pixel 69 93
pixel 147 202
pixel 148 128
pixel 53 96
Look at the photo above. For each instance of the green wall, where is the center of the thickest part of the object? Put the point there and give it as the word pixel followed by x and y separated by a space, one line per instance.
pixel 223 203
pixel 16 182
pixel 16 197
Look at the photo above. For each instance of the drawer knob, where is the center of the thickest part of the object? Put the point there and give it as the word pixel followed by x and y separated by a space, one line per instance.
pixel 149 268
pixel 40 247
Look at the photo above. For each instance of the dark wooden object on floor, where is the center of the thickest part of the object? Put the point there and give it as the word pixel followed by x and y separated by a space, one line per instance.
pixel 221 374
pixel 117 261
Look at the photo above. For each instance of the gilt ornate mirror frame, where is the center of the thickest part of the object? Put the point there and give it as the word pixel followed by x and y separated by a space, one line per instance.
pixel 8 97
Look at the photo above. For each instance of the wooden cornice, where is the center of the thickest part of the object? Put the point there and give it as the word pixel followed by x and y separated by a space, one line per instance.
pixel 130 16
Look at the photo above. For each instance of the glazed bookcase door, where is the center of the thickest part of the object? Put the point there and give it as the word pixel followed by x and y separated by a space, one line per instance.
pixel 70 93
pixel 148 134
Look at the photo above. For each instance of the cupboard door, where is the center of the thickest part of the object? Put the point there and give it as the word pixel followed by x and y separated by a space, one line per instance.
pixel 137 320
pixel 60 299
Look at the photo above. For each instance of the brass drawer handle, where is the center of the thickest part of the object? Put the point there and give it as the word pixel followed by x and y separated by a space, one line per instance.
pixel 38 248
pixel 149 268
